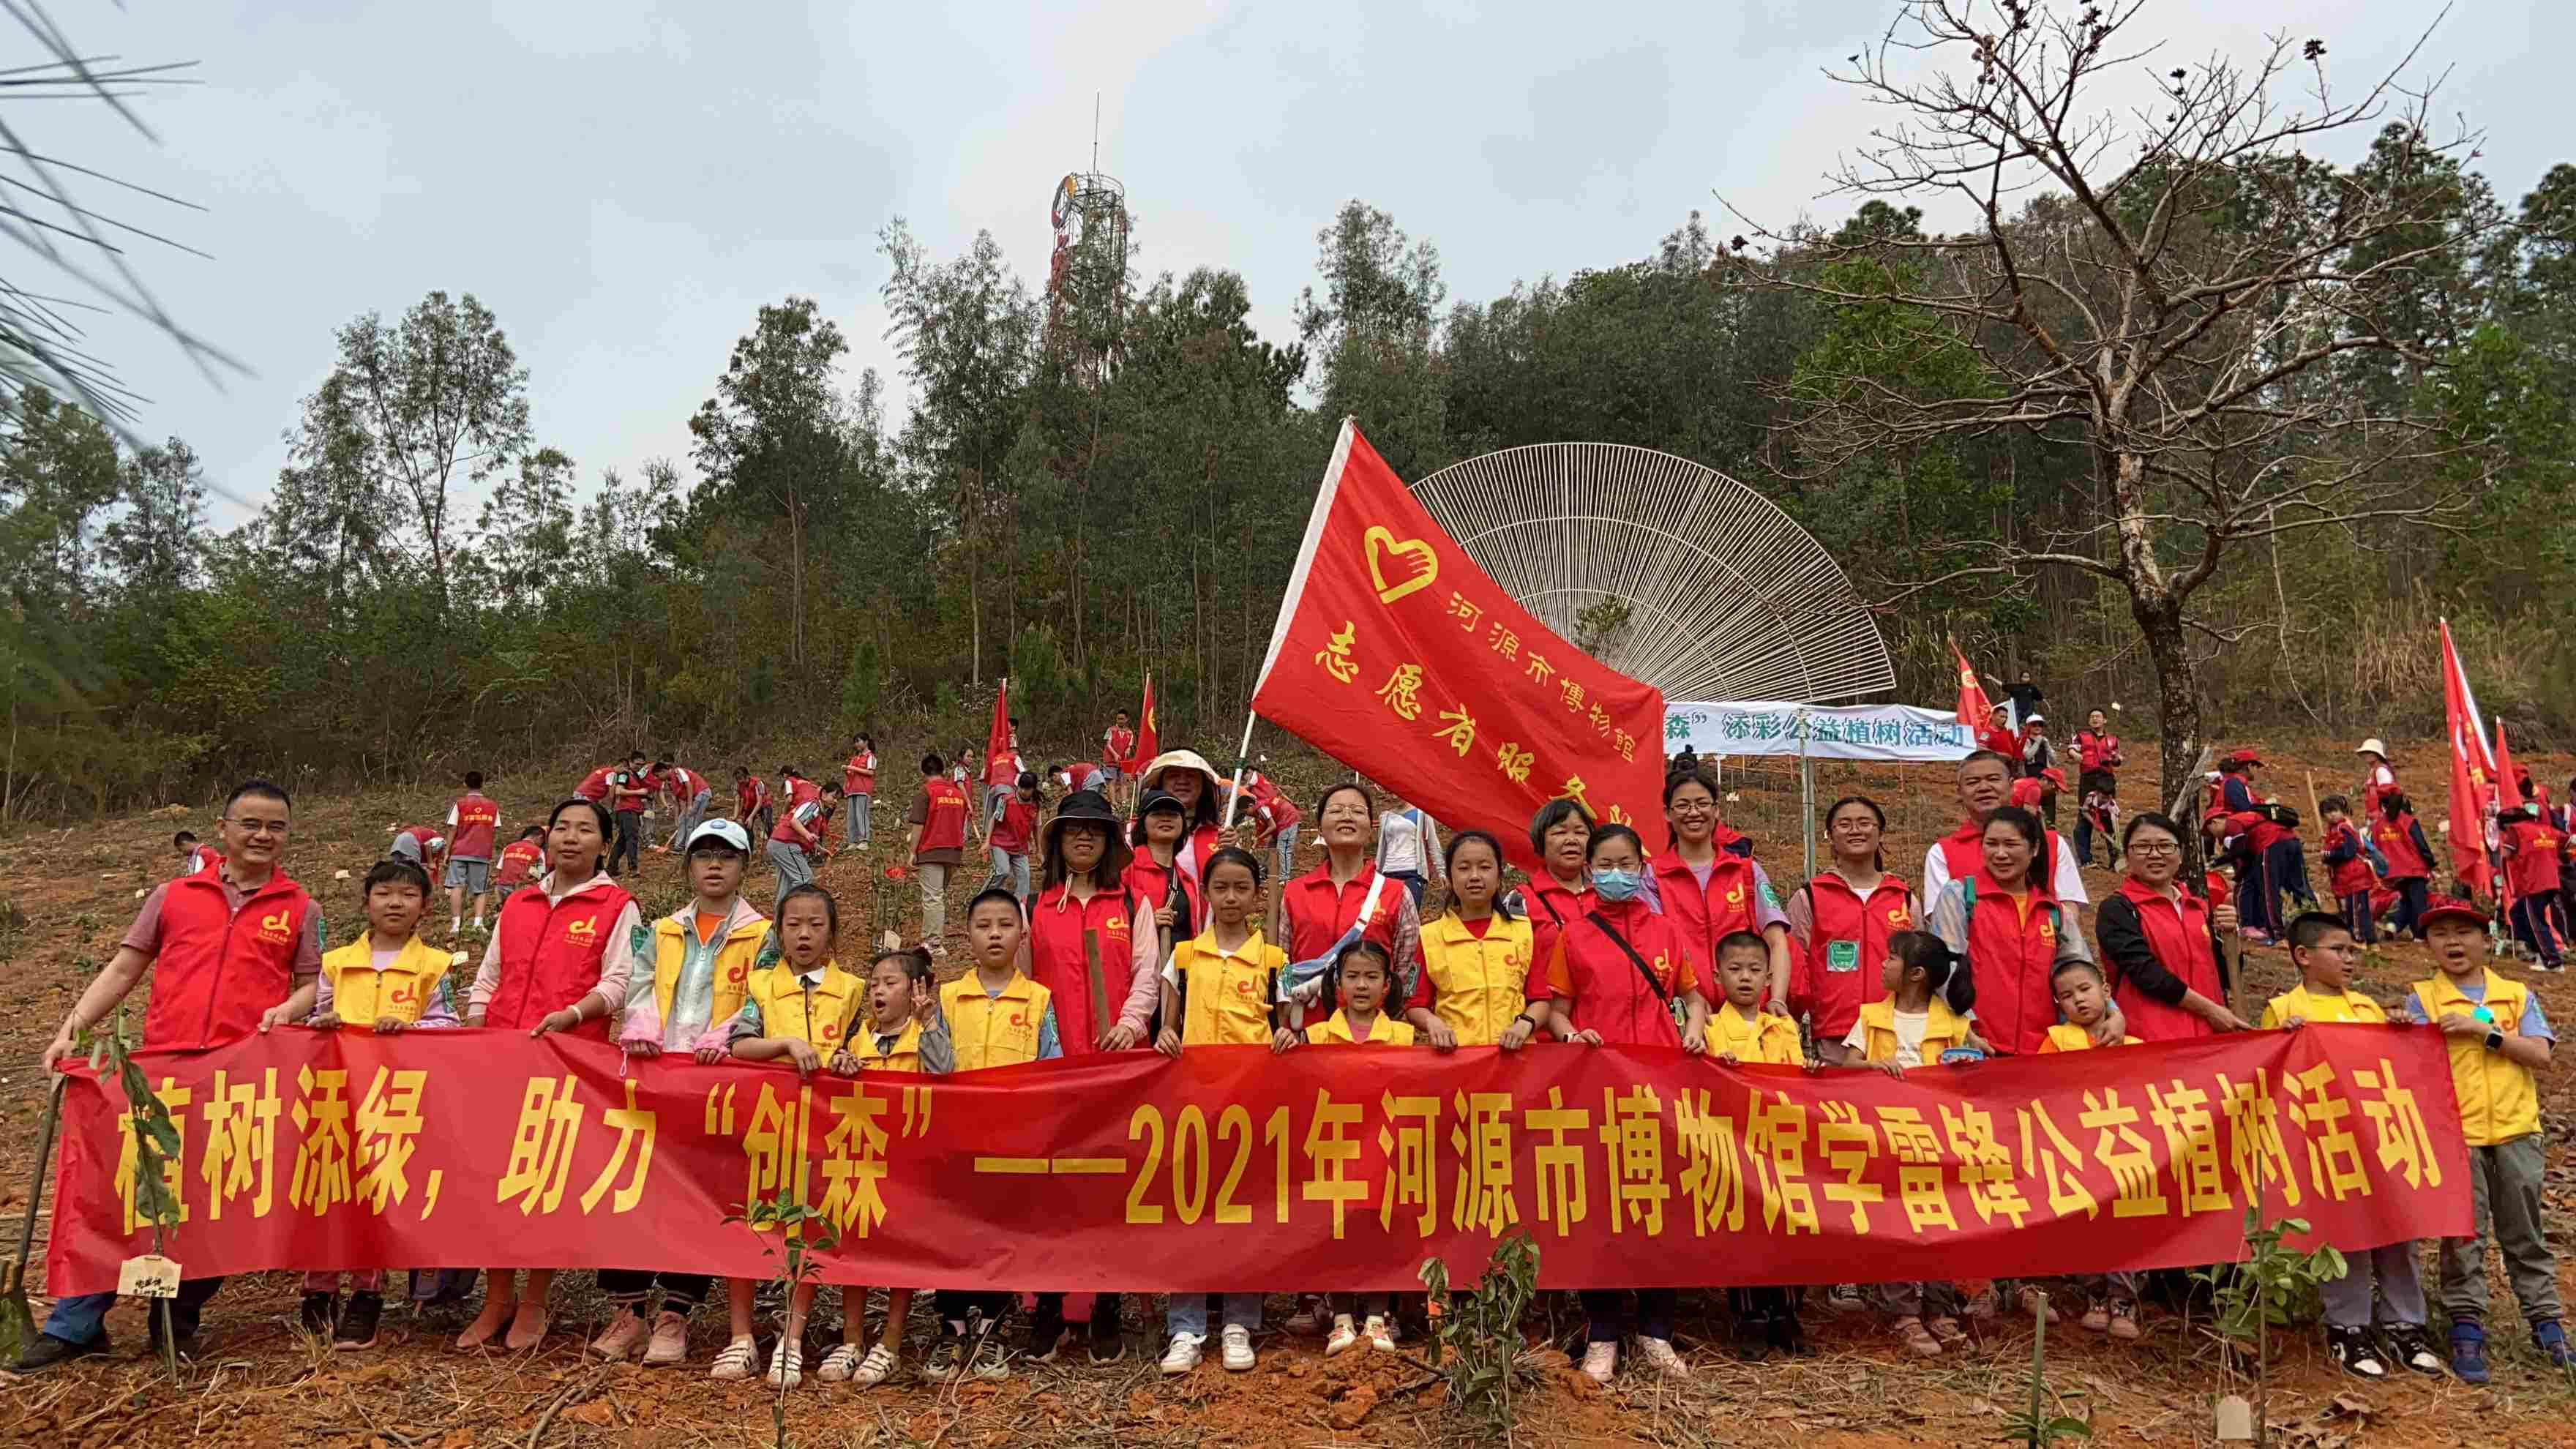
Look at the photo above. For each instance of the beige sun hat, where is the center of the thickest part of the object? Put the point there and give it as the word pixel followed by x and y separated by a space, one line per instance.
pixel 2372 746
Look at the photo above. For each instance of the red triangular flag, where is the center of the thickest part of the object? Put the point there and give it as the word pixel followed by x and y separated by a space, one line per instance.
pixel 2508 780
pixel 1149 741
pixel 1974 707
pixel 2472 772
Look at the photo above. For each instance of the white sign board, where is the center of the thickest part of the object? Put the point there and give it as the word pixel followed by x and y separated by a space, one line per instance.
pixel 1825 732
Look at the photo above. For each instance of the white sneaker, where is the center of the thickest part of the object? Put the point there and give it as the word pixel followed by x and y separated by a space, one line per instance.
pixel 625 1332
pixel 876 1368
pixel 787 1363
pixel 1238 1348
pixel 1600 1361
pixel 1183 1355
pixel 1344 1335
pixel 1380 1337
pixel 1661 1358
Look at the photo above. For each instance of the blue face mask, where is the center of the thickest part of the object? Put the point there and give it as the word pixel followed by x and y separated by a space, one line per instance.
pixel 1616 885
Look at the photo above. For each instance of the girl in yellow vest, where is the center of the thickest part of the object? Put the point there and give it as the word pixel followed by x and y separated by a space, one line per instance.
pixel 1473 990
pixel 1219 989
pixel 801 1008
pixel 682 997
pixel 388 980
pixel 2083 999
pixel 900 1032
pixel 1359 981
pixel 1923 1015
pixel 996 1017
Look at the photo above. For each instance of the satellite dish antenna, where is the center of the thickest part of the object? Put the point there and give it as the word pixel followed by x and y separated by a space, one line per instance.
pixel 1667 571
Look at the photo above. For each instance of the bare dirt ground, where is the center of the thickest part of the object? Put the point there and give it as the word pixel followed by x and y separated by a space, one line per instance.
pixel 256 1382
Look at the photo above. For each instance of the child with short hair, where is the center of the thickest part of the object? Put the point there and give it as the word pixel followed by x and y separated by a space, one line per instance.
pixel 997 1017
pixel 1739 1030
pixel 901 1032
pixel 519 861
pixel 2083 998
pixel 1218 990
pixel 1361 978
pixel 2498 1039
pixel 800 1008
pixel 386 981
pixel 2324 949
pixel 1012 822
pixel 1929 990
pixel 193 857
pixel 2351 862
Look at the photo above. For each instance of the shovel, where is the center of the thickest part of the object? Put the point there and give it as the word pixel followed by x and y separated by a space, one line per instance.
pixel 17 1320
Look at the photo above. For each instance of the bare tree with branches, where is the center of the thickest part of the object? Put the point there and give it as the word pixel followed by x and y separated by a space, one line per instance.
pixel 2160 283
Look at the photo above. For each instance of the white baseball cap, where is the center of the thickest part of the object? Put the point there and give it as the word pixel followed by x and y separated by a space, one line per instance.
pixel 724 832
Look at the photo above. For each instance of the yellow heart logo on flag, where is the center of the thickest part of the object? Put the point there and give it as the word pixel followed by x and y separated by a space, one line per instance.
pixel 1382 543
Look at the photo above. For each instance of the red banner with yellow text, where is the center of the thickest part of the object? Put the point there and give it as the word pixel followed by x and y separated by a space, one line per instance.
pixel 1401 658
pixel 1232 1168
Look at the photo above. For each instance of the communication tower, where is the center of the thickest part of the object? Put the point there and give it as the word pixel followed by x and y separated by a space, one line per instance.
pixel 1087 274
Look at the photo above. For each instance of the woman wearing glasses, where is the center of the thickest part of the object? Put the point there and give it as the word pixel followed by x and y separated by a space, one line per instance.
pixel 2161 942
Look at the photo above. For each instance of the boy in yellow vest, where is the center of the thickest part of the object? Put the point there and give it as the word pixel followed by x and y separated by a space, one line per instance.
pixel 2498 1039
pixel 388 980
pixel 1740 1030
pixel 2324 950
pixel 996 1018
pixel 681 997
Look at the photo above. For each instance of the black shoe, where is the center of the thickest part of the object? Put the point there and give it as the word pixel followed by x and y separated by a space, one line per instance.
pixel 2353 1349
pixel 1786 1335
pixel 45 1351
pixel 1046 1330
pixel 315 1317
pixel 185 1343
pixel 947 1361
pixel 2411 1345
pixel 358 1322
pixel 1751 1344
pixel 1108 1341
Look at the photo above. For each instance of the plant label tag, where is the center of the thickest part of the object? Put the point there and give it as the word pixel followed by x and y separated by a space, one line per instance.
pixel 2235 1420
pixel 149 1276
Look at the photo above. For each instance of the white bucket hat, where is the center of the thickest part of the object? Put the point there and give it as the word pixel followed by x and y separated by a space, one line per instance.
pixel 2372 746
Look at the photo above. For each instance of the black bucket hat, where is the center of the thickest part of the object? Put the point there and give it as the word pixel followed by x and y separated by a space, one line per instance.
pixel 1090 807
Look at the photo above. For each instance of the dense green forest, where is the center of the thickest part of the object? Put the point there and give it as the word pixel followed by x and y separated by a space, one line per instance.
pixel 1092 486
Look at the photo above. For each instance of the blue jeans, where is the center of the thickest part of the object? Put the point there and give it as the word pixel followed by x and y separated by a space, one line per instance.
pixel 859 825
pixel 1189 1312
pixel 1287 846
pixel 1412 880
pixel 1010 868
pixel 82 1318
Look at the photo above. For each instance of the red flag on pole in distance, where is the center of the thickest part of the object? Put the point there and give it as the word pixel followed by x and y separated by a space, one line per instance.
pixel 1001 762
pixel 1974 707
pixel 1397 655
pixel 1149 740
pixel 2508 780
pixel 2472 771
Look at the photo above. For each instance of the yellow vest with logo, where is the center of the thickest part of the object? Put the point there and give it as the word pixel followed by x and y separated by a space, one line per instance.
pixel 732 979
pixel 1766 1038
pixel 1226 999
pixel 820 1018
pixel 2066 1037
pixel 994 1031
pixel 1942 1030
pixel 903 1056
pixel 2498 1101
pixel 2308 1005
pixel 1390 1032
pixel 361 995
pixel 1477 986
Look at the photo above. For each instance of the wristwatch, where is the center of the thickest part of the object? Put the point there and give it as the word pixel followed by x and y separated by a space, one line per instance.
pixel 2495 1038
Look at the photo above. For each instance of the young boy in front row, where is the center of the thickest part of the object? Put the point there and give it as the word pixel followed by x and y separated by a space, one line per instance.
pixel 386 981
pixel 2083 1000
pixel 2324 950
pixel 1740 1031
pixel 2498 1039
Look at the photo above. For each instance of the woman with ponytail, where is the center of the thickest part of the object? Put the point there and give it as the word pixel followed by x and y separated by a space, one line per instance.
pixel 1841 921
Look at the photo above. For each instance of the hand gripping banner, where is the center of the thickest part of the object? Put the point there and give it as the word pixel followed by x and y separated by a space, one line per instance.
pixel 1231 1168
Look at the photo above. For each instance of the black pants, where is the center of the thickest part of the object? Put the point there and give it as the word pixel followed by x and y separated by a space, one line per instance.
pixel 2413 894
pixel 629 845
pixel 2535 925
pixel 1104 1311
pixel 2356 914
pixel 1607 1310
pixel 681 1292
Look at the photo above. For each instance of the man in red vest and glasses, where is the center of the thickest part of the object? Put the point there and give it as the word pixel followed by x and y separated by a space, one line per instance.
pixel 238 948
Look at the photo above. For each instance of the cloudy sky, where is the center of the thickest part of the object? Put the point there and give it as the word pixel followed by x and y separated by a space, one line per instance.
pixel 625 184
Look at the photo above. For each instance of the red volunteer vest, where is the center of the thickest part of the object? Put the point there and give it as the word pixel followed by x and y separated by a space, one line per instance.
pixel 218 969
pixel 1964 851
pixel 1150 882
pixel 1610 997
pixel 2396 842
pixel 785 833
pixel 518 861
pixel 594 786
pixel 1116 747
pixel 476 818
pixel 800 790
pixel 1552 908
pixel 944 822
pixel 1011 832
pixel 2095 752
pixel 2011 958
pixel 550 955
pixel 1830 985
pixel 2533 866
pixel 1705 917
pixel 2179 935
pixel 2353 876
pixel 1057 962
pixel 859 776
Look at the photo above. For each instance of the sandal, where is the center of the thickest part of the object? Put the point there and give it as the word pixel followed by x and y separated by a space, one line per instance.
pixel 1918 1339
pixel 737 1361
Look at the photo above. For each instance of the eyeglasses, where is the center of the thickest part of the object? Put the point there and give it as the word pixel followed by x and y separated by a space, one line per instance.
pixel 257 828
pixel 2155 847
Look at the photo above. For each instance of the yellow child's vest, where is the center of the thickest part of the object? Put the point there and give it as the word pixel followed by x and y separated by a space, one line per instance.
pixel 2065 1037
pixel 2498 1101
pixel 362 995
pixel 2308 1005
pixel 1768 1037
pixel 903 1056
pixel 1390 1032
pixel 732 978
pixel 820 1018
pixel 1226 999
pixel 994 1031
pixel 1942 1030
pixel 1477 986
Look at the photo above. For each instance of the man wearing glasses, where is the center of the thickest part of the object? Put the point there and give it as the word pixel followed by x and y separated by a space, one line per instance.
pixel 239 949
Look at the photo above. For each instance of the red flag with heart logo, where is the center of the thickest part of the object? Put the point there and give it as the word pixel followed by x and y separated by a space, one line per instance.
pixel 1397 655
pixel 1149 738
pixel 2472 771
pixel 1973 705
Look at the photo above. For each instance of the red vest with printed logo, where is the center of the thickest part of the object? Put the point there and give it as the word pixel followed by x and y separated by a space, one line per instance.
pixel 476 819
pixel 2179 937
pixel 1831 989
pixel 1707 916
pixel 1056 960
pixel 550 955
pixel 218 969
pixel 2011 953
